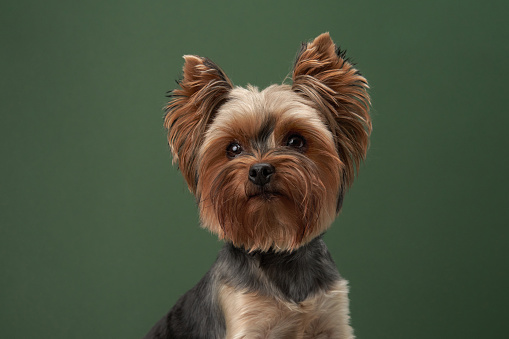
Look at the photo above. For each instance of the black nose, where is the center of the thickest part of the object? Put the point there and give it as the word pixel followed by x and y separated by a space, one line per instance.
pixel 260 174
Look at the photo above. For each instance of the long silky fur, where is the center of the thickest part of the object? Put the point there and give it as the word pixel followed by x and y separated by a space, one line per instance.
pixel 307 184
pixel 203 89
pixel 324 75
pixel 274 276
pixel 246 223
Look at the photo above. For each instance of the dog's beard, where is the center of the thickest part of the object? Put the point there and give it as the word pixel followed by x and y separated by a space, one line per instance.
pixel 297 205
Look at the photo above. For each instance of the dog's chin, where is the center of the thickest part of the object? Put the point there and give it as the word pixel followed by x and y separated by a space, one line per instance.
pixel 271 216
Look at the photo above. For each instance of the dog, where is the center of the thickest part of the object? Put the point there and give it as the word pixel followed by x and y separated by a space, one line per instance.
pixel 269 170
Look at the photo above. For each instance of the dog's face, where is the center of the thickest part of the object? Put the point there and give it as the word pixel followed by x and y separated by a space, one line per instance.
pixel 269 169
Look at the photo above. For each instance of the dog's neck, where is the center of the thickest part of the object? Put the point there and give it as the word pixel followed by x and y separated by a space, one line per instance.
pixel 293 276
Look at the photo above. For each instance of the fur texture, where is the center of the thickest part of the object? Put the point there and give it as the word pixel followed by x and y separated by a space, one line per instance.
pixel 269 170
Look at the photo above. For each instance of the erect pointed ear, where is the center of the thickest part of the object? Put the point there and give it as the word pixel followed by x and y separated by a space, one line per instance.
pixel 324 75
pixel 203 89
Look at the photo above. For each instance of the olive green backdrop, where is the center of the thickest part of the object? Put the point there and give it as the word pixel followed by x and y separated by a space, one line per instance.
pixel 99 235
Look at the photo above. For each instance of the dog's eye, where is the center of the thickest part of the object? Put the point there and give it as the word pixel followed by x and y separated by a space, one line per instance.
pixel 233 150
pixel 296 141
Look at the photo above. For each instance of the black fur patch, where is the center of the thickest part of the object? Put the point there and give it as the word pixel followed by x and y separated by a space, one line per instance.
pixel 195 315
pixel 292 276
pixel 260 140
pixel 210 64
pixel 341 194
pixel 295 275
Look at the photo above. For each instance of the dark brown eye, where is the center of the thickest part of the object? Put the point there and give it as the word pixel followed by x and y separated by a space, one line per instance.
pixel 233 150
pixel 296 141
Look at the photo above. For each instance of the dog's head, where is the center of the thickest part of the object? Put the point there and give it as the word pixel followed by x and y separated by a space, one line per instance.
pixel 269 168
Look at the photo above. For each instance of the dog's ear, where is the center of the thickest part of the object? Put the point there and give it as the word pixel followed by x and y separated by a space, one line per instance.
pixel 203 89
pixel 324 75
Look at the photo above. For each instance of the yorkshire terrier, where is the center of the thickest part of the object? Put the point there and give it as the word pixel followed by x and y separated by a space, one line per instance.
pixel 269 170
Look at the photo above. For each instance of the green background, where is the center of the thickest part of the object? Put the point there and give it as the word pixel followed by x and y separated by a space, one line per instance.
pixel 99 235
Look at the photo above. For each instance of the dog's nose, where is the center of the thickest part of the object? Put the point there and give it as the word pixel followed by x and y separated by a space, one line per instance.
pixel 260 174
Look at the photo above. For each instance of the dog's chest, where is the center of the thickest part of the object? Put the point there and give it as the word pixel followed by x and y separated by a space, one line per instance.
pixel 251 315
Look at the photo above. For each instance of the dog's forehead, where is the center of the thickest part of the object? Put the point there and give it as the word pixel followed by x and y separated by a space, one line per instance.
pixel 252 112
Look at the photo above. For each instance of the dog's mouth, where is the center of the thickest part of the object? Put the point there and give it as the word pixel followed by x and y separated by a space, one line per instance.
pixel 264 194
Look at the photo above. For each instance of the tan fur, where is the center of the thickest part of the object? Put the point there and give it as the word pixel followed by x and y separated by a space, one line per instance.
pixel 308 183
pixel 251 315
pixel 203 88
pixel 327 103
pixel 217 133
pixel 339 92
